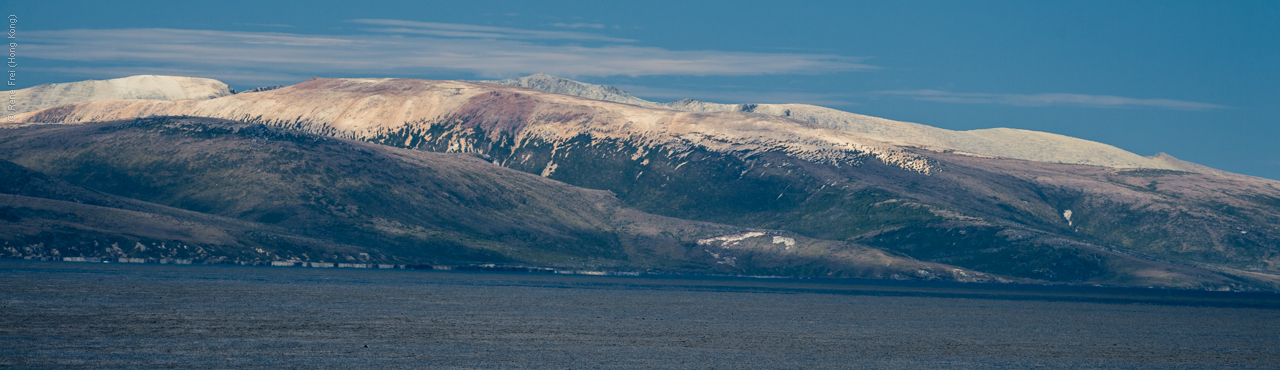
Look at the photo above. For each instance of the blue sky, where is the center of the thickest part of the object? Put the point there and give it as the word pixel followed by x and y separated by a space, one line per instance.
pixel 1195 79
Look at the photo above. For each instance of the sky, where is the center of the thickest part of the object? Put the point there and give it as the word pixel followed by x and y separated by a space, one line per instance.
pixel 1198 80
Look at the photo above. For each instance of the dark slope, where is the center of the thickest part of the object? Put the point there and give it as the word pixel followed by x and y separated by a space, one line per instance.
pixel 269 194
pixel 352 194
pixel 43 216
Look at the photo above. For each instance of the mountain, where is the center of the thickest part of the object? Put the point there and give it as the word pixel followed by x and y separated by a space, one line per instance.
pixel 199 188
pixel 134 87
pixel 1035 220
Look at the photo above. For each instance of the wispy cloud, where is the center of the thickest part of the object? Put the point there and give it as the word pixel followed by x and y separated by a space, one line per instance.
pixel 737 96
pixel 266 25
pixel 578 25
pixel 490 32
pixel 1050 99
pixel 510 53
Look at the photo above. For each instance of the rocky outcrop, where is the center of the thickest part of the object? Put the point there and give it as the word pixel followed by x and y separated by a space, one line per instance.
pixel 261 89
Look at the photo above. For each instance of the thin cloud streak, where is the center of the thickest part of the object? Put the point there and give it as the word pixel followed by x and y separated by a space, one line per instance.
pixel 288 54
pixel 1050 99
pixel 579 25
pixel 474 31
pixel 266 25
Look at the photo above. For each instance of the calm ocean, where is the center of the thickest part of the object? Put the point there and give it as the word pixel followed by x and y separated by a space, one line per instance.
pixel 83 315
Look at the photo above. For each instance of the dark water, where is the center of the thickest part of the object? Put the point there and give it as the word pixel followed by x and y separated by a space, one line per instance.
pixel 79 315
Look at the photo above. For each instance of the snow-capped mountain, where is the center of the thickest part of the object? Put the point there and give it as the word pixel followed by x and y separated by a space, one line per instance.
pixel 133 87
pixel 1013 203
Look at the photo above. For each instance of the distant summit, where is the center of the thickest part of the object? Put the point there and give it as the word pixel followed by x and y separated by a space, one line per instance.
pixel 565 86
pixel 132 87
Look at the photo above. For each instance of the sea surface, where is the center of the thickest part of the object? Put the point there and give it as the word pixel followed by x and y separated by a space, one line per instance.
pixel 85 315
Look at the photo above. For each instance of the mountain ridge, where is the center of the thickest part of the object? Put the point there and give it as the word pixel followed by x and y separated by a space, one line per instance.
pixel 1000 142
pixel 358 109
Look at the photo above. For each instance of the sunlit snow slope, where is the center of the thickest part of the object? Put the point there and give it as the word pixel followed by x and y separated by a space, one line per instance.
pixel 133 87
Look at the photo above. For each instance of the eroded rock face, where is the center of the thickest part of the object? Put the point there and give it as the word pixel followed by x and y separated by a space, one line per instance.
pixel 133 87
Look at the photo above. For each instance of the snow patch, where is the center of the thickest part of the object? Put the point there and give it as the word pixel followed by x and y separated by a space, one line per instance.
pixel 731 238
pixel 723 260
pixel 550 169
pixel 789 242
